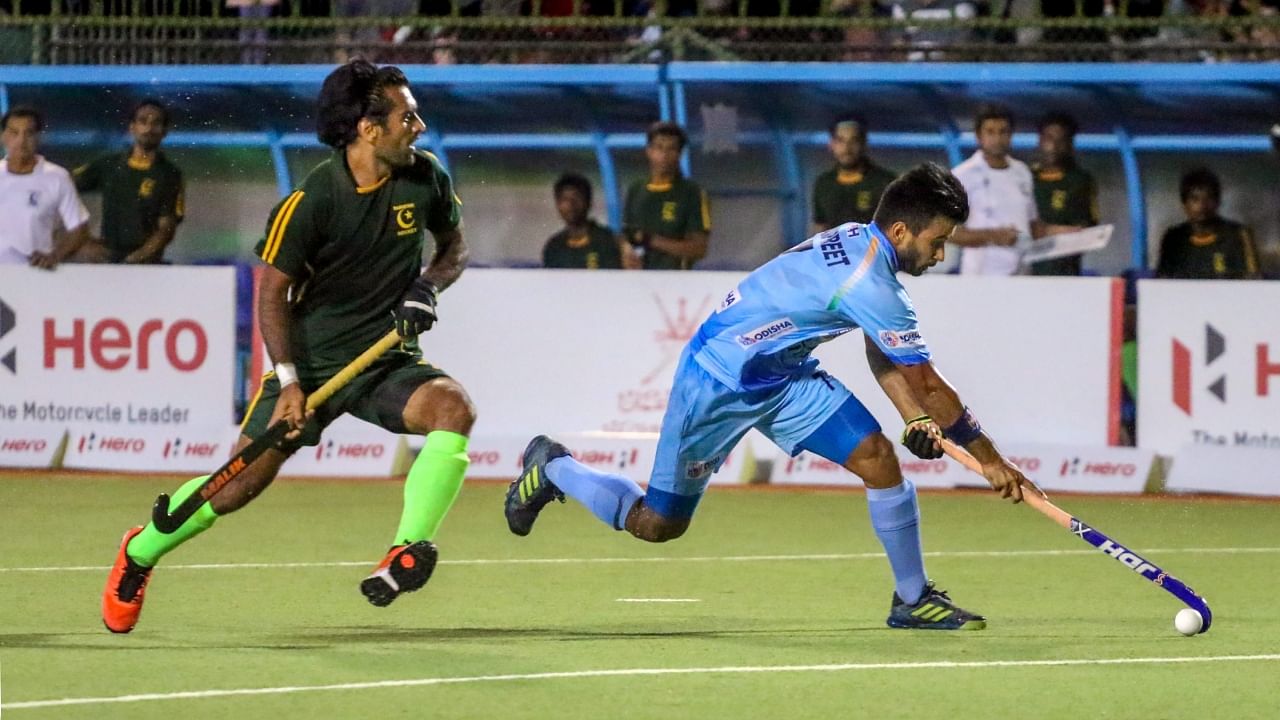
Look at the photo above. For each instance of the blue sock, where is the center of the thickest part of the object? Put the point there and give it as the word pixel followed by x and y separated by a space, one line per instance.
pixel 896 519
pixel 608 497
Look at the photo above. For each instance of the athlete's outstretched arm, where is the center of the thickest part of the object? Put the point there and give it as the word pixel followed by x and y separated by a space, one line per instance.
pixel 450 259
pixel 942 402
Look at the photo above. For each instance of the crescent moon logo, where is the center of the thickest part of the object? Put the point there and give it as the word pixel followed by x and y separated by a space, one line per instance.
pixel 405 218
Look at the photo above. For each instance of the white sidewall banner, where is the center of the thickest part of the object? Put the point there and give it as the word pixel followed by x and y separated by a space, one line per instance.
pixel 1209 359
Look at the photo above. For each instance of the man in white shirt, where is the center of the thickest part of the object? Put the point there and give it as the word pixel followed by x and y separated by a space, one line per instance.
pixel 1002 203
pixel 42 221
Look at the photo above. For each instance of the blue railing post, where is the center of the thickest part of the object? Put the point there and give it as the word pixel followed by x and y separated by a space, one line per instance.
pixel 682 119
pixel 284 180
pixel 1137 201
pixel 608 181
pixel 4 98
pixel 793 206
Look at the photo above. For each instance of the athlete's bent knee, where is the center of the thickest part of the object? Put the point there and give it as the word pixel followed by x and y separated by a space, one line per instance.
pixel 875 461
pixel 441 404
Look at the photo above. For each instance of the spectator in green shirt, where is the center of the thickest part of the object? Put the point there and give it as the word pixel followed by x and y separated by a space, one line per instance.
pixel 142 193
pixel 850 191
pixel 583 243
pixel 666 219
pixel 1066 194
pixel 1207 246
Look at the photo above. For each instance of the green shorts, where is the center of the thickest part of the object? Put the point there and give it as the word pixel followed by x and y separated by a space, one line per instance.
pixel 377 395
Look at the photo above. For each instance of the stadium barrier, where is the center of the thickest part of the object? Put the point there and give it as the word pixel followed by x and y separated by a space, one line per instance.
pixel 98 375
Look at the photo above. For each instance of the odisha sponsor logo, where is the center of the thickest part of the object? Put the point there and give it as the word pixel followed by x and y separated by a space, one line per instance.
pixel 358 451
pixel 923 467
pixel 699 469
pixel 177 448
pixel 489 458
pixel 21 445
pixel 1075 466
pixel 112 346
pixel 110 444
pixel 892 339
pixel 777 328
pixel 610 458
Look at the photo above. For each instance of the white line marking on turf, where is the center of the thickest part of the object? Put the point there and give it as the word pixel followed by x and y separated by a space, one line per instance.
pixel 665 559
pixel 658 600
pixel 628 672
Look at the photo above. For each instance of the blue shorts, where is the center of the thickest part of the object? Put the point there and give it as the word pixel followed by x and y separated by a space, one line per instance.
pixel 705 420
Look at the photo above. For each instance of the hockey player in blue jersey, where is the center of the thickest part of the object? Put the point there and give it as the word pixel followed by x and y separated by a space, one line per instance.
pixel 750 366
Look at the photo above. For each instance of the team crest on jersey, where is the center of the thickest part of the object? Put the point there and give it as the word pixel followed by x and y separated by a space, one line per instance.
pixel 730 300
pixel 406 219
pixel 906 338
pixel 147 188
pixel 668 211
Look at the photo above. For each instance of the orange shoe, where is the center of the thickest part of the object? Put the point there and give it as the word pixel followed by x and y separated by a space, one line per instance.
pixel 405 568
pixel 127 583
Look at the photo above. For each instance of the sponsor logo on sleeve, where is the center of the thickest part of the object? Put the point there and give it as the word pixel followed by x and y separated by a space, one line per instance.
pixel 774 329
pixel 905 338
pixel 730 300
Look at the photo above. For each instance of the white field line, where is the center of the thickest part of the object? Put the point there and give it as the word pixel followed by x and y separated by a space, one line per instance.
pixel 627 672
pixel 664 559
pixel 658 600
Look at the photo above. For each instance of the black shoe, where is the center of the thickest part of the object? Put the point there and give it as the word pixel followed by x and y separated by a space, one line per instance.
pixel 404 569
pixel 934 611
pixel 530 492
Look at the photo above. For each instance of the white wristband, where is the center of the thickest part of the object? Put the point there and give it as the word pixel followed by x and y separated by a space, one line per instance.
pixel 287 374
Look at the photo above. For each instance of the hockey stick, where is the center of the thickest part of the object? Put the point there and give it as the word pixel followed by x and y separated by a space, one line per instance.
pixel 167 523
pixel 1036 498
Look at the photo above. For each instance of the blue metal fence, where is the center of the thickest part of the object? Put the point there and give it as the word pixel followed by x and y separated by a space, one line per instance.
pixel 1212 98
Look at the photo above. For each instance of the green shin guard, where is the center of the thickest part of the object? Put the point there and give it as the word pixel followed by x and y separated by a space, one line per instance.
pixel 432 485
pixel 147 547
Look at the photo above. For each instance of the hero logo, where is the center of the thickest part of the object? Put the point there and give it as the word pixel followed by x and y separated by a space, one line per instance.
pixel 906 338
pixel 484 458
pixel 113 346
pixel 328 450
pixel 699 469
pixel 1215 346
pixel 177 448
pixel 110 444
pixel 812 463
pixel 607 458
pixel 18 445
pixel 8 321
pixel 1130 560
pixel 774 329
pixel 1107 469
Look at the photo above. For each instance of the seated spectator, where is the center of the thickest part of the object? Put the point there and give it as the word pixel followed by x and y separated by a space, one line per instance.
pixel 42 221
pixel 667 219
pixel 850 191
pixel 583 243
pixel 1066 194
pixel 142 193
pixel 1207 246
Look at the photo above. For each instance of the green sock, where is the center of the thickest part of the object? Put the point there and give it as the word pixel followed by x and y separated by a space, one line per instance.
pixel 433 484
pixel 147 547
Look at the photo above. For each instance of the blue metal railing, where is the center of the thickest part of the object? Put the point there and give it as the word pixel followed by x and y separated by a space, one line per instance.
pixel 669 87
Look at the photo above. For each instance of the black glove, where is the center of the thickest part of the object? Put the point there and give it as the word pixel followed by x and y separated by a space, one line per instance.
pixel 922 443
pixel 417 311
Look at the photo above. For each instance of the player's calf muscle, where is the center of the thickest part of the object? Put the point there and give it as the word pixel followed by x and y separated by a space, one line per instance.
pixel 649 526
